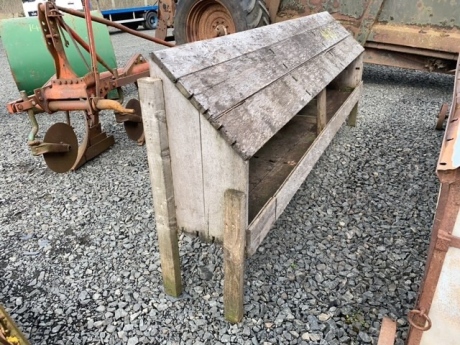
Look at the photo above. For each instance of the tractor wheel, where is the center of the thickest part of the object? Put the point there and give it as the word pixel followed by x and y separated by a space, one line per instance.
pixel 197 20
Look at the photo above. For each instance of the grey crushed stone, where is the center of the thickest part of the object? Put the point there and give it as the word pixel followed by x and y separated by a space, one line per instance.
pixel 80 262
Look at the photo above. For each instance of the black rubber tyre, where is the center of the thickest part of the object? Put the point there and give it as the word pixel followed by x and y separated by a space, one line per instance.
pixel 151 21
pixel 132 26
pixel 197 19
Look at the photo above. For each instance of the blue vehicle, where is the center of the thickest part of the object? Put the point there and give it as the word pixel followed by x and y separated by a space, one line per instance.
pixel 132 17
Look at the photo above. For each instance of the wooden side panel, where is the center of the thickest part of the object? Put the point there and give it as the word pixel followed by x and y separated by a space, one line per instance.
pixel 185 146
pixel 196 56
pixel 223 169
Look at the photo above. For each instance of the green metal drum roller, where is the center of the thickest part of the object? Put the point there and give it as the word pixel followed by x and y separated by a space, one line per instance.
pixel 30 61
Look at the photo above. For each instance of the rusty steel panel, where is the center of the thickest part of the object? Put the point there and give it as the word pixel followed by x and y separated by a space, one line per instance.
pixel 413 36
pixel 436 316
pixel 349 8
pixel 445 308
pixel 427 28
pixel 437 13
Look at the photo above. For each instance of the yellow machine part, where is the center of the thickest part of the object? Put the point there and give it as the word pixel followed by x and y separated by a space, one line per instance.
pixel 9 331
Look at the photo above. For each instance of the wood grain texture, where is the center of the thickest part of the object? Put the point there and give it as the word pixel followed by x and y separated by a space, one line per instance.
pixel 159 159
pixel 270 166
pixel 321 111
pixel 239 82
pixel 351 76
pixel 251 124
pixel 185 145
pixel 223 169
pixel 221 87
pixel 234 246
pixel 193 57
pixel 353 117
pixel 260 226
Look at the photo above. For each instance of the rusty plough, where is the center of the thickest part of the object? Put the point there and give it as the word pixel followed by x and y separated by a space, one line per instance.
pixel 91 93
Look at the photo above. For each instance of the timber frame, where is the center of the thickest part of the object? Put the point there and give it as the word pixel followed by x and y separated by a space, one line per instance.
pixel 234 125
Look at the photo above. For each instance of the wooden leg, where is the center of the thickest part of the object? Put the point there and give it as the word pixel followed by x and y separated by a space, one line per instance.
pixel 159 159
pixel 234 247
pixel 353 116
pixel 321 112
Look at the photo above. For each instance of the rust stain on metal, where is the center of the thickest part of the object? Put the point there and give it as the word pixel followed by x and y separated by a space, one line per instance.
pixel 438 298
pixel 421 314
pixel 417 37
pixel 68 92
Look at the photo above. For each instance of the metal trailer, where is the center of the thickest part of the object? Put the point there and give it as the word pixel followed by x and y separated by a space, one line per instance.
pixel 30 7
pixel 423 35
pixel 132 17
pixel 435 318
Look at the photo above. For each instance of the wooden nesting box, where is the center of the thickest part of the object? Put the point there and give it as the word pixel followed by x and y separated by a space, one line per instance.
pixel 234 125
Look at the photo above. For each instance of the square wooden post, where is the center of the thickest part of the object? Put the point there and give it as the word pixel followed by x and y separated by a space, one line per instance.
pixel 321 111
pixel 352 118
pixel 234 254
pixel 159 159
pixel 348 80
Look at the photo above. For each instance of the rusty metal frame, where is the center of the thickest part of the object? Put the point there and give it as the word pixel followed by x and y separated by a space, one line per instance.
pixel 166 13
pixel 446 214
pixel 65 91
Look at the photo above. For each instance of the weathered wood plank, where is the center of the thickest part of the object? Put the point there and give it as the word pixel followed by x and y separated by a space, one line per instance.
pixel 183 129
pixel 252 123
pixel 159 159
pixel 296 178
pixel 222 86
pixel 351 76
pixel 234 246
pixel 223 169
pixel 193 57
pixel 353 116
pixel 321 111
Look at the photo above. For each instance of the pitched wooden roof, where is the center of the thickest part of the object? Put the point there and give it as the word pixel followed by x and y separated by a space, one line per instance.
pixel 250 84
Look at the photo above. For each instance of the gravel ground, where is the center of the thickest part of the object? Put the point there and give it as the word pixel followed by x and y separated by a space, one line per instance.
pixel 79 261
